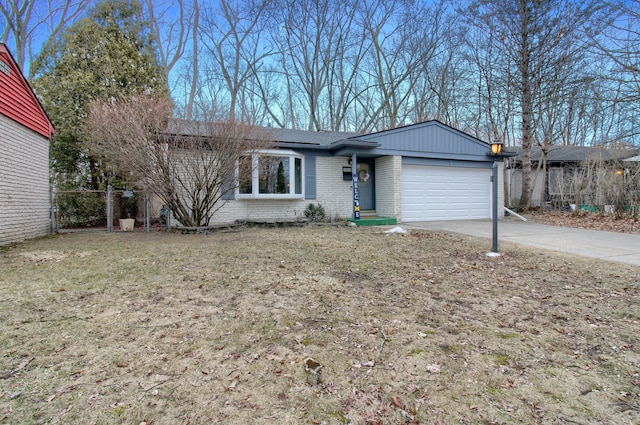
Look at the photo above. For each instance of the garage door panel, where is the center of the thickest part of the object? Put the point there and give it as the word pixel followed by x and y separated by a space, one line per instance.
pixel 445 193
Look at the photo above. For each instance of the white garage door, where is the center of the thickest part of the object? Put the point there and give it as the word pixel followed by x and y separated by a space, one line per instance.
pixel 445 193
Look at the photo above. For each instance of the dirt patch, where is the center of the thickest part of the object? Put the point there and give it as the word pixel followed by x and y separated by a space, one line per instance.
pixel 420 328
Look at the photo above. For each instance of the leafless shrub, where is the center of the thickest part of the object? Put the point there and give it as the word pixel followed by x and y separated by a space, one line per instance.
pixel 607 185
pixel 192 166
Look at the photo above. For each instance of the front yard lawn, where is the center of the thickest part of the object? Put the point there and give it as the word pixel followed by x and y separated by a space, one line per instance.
pixel 421 328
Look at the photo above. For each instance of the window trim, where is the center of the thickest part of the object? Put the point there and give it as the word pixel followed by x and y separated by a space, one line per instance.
pixel 255 184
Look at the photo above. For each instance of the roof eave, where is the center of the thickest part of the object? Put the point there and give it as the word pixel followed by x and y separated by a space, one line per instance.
pixel 353 143
pixel 298 145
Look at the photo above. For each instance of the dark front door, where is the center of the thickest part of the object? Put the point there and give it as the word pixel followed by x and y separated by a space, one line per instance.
pixel 366 185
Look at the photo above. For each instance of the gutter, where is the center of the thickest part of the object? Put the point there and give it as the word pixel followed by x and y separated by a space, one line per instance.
pixel 344 143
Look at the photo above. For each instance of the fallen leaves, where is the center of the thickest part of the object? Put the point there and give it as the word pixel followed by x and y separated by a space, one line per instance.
pixel 233 383
pixel 395 400
pixel 235 334
pixel 61 392
pixel 433 368
pixel 24 363
pixel 593 221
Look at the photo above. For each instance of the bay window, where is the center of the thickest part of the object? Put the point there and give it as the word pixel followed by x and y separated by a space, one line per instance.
pixel 271 174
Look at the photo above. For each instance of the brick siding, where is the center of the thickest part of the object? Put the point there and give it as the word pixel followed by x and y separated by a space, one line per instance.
pixel 388 182
pixel 24 183
pixel 334 193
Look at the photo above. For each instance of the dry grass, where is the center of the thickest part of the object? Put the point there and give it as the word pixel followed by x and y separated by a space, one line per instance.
pixel 420 328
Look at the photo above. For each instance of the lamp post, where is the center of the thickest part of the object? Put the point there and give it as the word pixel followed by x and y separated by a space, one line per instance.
pixel 496 149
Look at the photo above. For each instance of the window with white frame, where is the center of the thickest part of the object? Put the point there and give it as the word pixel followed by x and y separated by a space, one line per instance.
pixel 275 174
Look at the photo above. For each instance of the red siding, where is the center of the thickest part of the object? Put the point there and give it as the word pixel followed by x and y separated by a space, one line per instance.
pixel 17 100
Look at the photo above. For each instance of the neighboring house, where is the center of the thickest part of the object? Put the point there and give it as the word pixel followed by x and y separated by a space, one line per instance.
pixel 421 172
pixel 25 131
pixel 564 165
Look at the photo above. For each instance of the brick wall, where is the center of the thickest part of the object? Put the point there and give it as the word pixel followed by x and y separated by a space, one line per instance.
pixel 388 182
pixel 260 210
pixel 333 193
pixel 24 183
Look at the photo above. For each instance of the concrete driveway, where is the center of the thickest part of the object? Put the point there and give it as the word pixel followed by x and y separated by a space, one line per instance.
pixel 619 247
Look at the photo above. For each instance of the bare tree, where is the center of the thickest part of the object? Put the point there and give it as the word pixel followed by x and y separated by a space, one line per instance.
pixel 174 25
pixel 191 165
pixel 620 45
pixel 405 36
pixel 319 51
pixel 532 36
pixel 230 34
pixel 344 83
pixel 26 20
pixel 565 79
pixel 448 86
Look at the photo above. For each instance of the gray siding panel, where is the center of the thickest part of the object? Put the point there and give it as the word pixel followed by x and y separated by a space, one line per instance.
pixel 228 186
pixel 430 140
pixel 310 177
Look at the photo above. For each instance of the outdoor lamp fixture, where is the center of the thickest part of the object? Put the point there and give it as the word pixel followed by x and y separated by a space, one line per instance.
pixel 496 148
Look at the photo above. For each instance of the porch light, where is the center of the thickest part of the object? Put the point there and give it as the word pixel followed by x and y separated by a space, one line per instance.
pixel 496 146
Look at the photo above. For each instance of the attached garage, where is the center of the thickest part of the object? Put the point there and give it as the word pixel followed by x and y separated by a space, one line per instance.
pixel 429 172
pixel 431 193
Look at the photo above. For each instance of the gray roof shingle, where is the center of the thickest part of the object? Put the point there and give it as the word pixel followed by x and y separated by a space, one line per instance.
pixel 563 154
pixel 277 135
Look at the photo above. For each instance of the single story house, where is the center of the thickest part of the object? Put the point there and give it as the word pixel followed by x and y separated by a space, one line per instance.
pixel 563 165
pixel 25 131
pixel 421 172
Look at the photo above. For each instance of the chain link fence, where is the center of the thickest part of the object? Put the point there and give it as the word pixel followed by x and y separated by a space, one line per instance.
pixel 99 210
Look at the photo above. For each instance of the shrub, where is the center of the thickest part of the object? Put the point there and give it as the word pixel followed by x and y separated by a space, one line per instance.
pixel 315 212
pixel 77 209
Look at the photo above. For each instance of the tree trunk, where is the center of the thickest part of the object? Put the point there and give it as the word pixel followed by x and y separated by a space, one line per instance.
pixel 526 103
